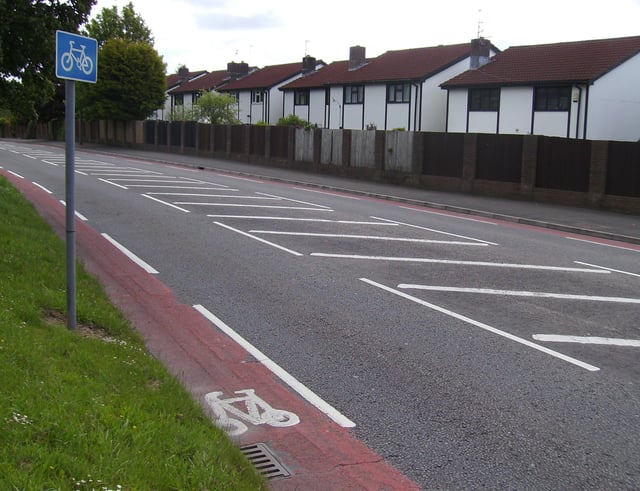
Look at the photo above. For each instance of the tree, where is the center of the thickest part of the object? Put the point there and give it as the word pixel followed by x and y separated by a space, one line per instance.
pixel 109 24
pixel 131 76
pixel 216 108
pixel 27 51
pixel 131 83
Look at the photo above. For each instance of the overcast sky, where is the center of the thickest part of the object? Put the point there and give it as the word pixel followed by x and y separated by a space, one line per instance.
pixel 207 34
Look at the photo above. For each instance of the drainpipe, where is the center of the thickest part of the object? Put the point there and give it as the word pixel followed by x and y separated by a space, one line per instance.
pixel 586 114
pixel 416 109
pixel 578 115
pixel 446 121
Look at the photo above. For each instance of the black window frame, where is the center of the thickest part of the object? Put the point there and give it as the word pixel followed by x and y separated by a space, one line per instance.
pixel 398 93
pixel 257 96
pixel 353 94
pixel 552 98
pixel 301 97
pixel 178 99
pixel 484 99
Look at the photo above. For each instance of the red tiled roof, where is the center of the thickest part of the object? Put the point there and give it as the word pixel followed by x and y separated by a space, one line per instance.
pixel 572 62
pixel 407 64
pixel 174 79
pixel 266 77
pixel 207 82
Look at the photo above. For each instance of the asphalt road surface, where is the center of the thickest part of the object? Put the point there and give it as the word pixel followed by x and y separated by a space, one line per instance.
pixel 469 352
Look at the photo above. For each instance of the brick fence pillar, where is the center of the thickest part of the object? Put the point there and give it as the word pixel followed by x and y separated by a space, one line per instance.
pixel 469 158
pixel 529 165
pixel 598 171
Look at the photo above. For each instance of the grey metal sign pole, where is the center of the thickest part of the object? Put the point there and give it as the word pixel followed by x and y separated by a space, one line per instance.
pixel 70 140
pixel 76 59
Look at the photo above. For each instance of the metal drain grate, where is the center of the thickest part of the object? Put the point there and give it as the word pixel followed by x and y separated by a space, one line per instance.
pixel 265 461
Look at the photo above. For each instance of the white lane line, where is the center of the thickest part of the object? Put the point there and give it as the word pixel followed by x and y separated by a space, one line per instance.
pixel 292 219
pixel 608 269
pixel 43 188
pixel 224 196
pixel 449 215
pixel 195 194
pixel 200 181
pixel 113 183
pixel 111 174
pixel 481 325
pixel 273 196
pixel 258 239
pixel 161 179
pixel 131 255
pixel 241 178
pixel 557 338
pixel 287 378
pixel 512 293
pixel 15 174
pixel 603 244
pixel 81 173
pixel 435 230
pixel 30 156
pixel 165 203
pixel 366 237
pixel 459 263
pixel 78 214
pixel 174 187
pixel 240 205
pixel 55 164
pixel 330 194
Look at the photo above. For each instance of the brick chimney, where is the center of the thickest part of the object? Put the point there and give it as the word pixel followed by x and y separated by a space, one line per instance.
pixel 183 74
pixel 480 53
pixel 237 70
pixel 308 64
pixel 357 57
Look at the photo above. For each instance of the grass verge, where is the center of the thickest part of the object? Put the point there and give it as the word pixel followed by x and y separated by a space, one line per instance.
pixel 90 409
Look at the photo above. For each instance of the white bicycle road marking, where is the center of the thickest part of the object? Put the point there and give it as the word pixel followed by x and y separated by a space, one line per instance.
pixel 256 412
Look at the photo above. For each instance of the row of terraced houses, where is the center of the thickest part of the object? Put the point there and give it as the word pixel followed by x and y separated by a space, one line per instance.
pixel 583 90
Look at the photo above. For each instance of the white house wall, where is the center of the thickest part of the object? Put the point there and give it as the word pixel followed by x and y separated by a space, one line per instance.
pixel 457 117
pixel 483 121
pixel 614 104
pixel 334 111
pixel 434 99
pixel 375 99
pixel 516 104
pixel 550 123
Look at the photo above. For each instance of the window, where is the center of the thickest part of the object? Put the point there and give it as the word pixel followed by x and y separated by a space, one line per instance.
pixel 354 94
pixel 552 98
pixel 235 95
pixel 301 97
pixel 484 99
pixel 195 96
pixel 257 96
pixel 398 93
pixel 178 99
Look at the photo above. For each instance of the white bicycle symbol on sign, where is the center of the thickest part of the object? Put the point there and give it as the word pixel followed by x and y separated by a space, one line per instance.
pixel 270 416
pixel 83 62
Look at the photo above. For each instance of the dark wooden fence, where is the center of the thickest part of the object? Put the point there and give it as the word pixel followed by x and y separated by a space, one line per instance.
pixel 579 172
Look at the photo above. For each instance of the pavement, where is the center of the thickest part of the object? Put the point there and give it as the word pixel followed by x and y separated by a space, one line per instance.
pixel 316 453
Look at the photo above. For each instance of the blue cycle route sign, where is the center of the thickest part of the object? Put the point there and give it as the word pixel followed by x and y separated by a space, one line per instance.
pixel 76 57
